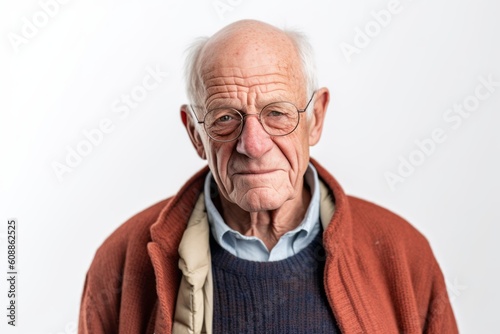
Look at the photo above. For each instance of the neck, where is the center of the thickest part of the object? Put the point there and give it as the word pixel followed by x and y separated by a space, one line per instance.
pixel 270 225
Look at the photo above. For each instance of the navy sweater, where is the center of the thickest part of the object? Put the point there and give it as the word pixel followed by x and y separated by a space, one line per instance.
pixel 284 296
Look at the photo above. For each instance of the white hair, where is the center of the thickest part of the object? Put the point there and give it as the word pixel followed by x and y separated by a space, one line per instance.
pixel 194 84
pixel 192 71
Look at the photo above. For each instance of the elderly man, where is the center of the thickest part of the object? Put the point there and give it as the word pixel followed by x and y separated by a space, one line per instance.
pixel 264 240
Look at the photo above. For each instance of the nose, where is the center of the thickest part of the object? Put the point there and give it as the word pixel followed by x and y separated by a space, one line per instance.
pixel 254 141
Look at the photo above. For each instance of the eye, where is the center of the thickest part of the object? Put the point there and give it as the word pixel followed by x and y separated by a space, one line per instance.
pixel 225 118
pixel 275 113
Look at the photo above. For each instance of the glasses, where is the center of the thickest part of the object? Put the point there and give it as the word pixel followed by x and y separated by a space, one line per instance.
pixel 226 124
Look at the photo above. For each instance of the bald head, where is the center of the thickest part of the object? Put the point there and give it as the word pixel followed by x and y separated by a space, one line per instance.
pixel 250 44
pixel 244 46
pixel 246 49
pixel 249 31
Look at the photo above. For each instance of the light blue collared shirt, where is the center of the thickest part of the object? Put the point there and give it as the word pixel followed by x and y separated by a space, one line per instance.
pixel 252 248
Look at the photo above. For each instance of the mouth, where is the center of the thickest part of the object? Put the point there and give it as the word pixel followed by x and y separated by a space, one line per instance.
pixel 255 172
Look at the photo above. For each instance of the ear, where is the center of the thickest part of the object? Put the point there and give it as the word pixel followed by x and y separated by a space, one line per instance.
pixel 194 135
pixel 317 117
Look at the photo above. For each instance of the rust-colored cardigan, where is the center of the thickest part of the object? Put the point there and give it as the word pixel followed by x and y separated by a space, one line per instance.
pixel 380 274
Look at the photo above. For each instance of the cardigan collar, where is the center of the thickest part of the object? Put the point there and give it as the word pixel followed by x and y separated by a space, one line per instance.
pixel 168 229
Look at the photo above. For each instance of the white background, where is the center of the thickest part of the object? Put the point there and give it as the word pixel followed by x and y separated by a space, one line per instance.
pixel 64 79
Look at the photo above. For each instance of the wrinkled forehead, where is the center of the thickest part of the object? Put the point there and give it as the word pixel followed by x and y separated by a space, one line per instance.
pixel 220 73
pixel 250 58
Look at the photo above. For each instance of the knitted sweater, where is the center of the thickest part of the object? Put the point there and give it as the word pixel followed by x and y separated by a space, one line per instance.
pixel 380 274
pixel 285 296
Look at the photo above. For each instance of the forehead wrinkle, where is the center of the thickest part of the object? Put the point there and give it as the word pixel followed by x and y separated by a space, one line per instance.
pixel 261 88
pixel 220 71
pixel 233 98
pixel 246 81
pixel 258 84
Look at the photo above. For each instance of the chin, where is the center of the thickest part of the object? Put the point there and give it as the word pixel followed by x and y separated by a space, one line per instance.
pixel 261 200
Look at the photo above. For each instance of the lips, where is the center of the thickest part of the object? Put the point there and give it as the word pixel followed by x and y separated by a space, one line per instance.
pixel 250 172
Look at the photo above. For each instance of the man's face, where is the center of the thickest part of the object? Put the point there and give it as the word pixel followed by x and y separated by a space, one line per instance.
pixel 257 171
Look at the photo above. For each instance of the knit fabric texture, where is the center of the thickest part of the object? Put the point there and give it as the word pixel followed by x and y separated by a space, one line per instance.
pixel 285 296
pixel 380 273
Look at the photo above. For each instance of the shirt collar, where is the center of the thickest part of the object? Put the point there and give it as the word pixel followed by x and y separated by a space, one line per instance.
pixel 219 228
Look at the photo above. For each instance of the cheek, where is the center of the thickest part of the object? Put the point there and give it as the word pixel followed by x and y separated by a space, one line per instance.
pixel 296 150
pixel 218 159
pixel 300 153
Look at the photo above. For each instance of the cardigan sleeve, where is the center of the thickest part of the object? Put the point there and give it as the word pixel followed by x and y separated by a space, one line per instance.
pixel 89 321
pixel 440 318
